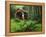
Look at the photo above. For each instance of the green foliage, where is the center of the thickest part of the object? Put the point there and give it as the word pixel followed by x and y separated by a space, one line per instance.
pixel 24 26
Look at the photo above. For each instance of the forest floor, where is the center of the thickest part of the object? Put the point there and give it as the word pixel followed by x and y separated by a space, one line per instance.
pixel 25 26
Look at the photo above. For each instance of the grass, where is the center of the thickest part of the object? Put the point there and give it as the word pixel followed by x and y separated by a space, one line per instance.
pixel 25 26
